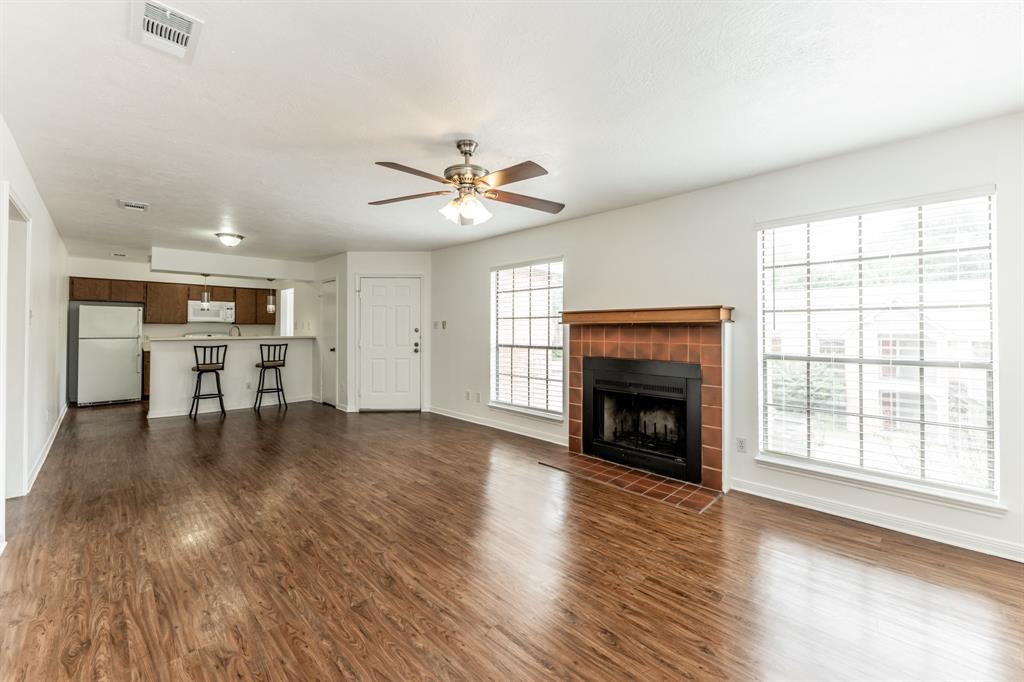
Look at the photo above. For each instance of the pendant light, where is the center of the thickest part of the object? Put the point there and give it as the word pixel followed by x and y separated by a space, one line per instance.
pixel 271 307
pixel 204 298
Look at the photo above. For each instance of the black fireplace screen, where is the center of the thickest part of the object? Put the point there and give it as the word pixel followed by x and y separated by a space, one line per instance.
pixel 650 423
pixel 644 414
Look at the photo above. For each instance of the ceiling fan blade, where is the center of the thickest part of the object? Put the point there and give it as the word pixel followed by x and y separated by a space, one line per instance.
pixel 406 169
pixel 506 176
pixel 524 201
pixel 411 196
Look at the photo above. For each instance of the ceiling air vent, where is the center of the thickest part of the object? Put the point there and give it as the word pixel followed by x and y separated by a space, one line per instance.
pixel 139 206
pixel 165 29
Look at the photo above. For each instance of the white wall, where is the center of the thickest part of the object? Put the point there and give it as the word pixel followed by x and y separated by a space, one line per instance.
pixel 228 264
pixel 699 249
pixel 307 306
pixel 47 333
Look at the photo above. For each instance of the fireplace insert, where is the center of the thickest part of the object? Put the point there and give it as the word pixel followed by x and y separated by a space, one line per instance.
pixel 644 414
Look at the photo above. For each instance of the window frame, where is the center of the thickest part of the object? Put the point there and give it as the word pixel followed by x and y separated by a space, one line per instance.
pixel 494 345
pixel 956 495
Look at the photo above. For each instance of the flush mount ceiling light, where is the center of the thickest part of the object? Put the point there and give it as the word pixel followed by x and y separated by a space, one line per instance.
pixel 472 182
pixel 229 238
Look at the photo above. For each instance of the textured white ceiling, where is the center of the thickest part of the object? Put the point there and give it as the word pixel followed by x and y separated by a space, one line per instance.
pixel 274 128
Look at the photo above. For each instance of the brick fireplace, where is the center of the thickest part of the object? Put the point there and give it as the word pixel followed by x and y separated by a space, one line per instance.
pixel 689 336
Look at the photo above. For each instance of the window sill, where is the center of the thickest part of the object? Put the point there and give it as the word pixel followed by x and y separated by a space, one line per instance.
pixel 525 411
pixel 986 504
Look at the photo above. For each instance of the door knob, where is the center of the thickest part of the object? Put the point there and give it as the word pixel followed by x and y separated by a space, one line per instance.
pixel 415 350
pixel 415 344
pixel 332 350
pixel 416 330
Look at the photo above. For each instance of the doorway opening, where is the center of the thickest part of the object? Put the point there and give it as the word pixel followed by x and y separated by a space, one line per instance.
pixel 329 343
pixel 15 359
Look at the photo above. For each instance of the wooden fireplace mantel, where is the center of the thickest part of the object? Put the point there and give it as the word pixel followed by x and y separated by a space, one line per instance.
pixel 714 314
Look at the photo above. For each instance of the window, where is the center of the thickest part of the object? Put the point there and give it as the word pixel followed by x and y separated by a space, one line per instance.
pixel 876 343
pixel 287 312
pixel 899 347
pixel 526 337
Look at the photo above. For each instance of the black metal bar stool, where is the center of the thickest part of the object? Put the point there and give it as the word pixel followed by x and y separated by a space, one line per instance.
pixel 272 357
pixel 209 360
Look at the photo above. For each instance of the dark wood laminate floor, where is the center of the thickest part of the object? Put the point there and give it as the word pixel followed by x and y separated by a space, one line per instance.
pixel 318 545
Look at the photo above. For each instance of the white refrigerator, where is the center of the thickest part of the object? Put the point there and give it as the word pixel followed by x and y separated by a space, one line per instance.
pixel 109 354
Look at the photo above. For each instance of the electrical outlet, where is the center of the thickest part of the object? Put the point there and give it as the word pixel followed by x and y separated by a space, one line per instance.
pixel 741 445
pixel 437 325
pixel 478 396
pixel 444 324
pixel 467 395
pixel 248 385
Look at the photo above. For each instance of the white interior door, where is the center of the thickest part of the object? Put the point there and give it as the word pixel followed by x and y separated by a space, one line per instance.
pixel 329 339
pixel 389 343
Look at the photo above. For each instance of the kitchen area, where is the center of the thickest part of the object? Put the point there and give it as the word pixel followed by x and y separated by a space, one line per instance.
pixel 132 340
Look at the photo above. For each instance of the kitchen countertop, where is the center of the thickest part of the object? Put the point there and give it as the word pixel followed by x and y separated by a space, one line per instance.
pixel 212 339
pixel 225 338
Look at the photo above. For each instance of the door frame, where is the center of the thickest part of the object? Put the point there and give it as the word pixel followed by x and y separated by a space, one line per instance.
pixel 8 198
pixel 359 277
pixel 338 403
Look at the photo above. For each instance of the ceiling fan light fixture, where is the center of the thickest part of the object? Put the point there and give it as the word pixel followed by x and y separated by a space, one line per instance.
pixel 229 238
pixel 473 211
pixel 451 210
pixel 466 210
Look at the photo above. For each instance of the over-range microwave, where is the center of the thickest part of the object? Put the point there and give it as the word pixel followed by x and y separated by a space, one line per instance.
pixel 220 311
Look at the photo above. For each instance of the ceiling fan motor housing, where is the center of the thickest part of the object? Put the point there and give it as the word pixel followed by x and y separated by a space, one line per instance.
pixel 464 173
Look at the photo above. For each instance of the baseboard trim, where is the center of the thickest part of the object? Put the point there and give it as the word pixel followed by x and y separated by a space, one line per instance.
pixel 3 546
pixel 901 524
pixel 501 426
pixel 209 409
pixel 46 450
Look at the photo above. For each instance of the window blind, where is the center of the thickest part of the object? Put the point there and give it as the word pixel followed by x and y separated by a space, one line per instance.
pixel 876 342
pixel 526 349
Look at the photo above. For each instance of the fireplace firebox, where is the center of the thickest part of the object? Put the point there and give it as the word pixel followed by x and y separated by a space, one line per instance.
pixel 644 414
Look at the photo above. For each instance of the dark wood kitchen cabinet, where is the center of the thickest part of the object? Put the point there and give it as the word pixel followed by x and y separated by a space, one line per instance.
pixel 245 306
pixel 145 374
pixel 262 316
pixel 89 289
pixel 226 294
pixel 195 292
pixel 166 303
pixel 127 291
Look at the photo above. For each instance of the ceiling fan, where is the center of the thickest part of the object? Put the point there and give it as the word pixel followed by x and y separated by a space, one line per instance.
pixel 472 181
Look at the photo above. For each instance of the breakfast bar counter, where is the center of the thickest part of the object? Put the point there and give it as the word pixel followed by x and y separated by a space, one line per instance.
pixel 172 380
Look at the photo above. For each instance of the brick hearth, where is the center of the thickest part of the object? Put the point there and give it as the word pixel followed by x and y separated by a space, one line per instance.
pixel 696 344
